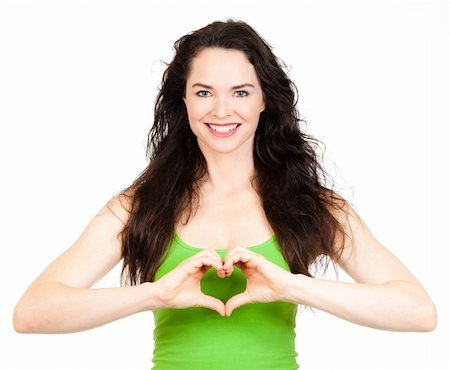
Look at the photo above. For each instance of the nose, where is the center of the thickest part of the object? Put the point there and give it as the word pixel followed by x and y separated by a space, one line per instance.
pixel 221 107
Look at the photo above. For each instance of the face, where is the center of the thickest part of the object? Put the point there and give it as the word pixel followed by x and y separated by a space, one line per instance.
pixel 223 100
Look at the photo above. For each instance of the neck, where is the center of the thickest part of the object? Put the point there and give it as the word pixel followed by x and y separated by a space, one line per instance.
pixel 228 172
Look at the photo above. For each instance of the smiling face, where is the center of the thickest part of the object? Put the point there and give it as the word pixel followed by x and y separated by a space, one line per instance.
pixel 223 100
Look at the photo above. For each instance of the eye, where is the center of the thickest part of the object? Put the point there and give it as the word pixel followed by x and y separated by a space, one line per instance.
pixel 203 93
pixel 241 93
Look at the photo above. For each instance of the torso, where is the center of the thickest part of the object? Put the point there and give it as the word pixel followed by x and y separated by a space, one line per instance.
pixel 223 222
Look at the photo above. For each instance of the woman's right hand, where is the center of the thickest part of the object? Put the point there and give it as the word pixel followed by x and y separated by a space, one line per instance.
pixel 180 288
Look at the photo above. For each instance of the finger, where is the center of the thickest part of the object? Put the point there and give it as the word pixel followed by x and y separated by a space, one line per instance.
pixel 235 302
pixel 235 250
pixel 202 261
pixel 214 253
pixel 228 261
pixel 209 252
pixel 250 260
pixel 212 303
pixel 220 272
pixel 228 267
pixel 239 250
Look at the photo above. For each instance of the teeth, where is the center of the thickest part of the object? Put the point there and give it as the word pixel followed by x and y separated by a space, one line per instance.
pixel 223 128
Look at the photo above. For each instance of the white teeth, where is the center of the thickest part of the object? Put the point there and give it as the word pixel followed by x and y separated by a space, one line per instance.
pixel 223 128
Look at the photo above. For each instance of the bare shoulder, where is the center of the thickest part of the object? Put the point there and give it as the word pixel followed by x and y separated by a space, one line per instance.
pixel 351 228
pixel 120 206
pixel 348 220
pixel 363 257
pixel 97 250
pixel 340 208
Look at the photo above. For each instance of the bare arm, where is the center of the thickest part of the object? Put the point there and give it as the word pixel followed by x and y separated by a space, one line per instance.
pixel 385 296
pixel 60 299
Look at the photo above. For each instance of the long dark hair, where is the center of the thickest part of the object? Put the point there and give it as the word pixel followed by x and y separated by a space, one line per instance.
pixel 289 177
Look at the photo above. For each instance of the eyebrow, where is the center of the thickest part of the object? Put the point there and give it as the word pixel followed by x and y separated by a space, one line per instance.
pixel 233 88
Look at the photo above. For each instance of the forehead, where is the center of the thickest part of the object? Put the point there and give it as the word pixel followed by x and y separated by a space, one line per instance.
pixel 222 67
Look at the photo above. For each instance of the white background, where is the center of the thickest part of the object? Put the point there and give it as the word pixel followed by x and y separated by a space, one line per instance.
pixel 77 85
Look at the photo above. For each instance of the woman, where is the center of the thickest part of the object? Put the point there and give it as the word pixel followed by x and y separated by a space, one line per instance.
pixel 220 234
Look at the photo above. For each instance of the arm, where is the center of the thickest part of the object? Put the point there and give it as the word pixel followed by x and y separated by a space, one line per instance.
pixel 385 296
pixel 60 301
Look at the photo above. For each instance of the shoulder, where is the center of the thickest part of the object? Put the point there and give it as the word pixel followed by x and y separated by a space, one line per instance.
pixel 358 252
pixel 120 206
pixel 349 223
pixel 339 207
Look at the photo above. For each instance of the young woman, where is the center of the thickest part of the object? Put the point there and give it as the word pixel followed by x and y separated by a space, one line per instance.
pixel 219 235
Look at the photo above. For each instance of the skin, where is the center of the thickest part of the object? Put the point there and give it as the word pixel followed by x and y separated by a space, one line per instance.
pixel 211 98
pixel 230 161
pixel 385 294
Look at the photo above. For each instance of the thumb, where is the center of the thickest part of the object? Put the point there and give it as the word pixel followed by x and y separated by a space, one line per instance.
pixel 235 302
pixel 212 303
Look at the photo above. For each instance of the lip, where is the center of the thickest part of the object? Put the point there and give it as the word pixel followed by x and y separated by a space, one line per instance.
pixel 222 124
pixel 222 134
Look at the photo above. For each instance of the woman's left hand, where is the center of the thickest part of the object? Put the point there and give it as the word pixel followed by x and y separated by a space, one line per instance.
pixel 266 281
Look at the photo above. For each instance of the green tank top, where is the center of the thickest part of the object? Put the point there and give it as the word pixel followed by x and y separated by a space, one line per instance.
pixel 255 336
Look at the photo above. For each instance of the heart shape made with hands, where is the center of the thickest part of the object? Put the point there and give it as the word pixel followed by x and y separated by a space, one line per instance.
pixel 223 288
pixel 251 279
